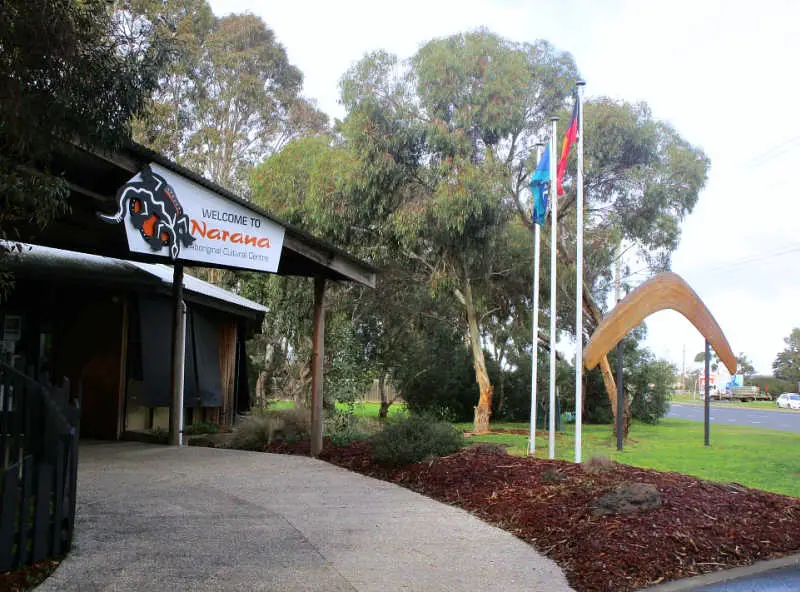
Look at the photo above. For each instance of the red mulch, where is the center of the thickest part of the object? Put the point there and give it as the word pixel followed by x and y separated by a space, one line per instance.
pixel 28 577
pixel 702 527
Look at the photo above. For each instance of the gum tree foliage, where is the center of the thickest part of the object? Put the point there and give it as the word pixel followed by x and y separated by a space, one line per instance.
pixel 427 177
pixel 641 180
pixel 229 99
pixel 306 184
pixel 452 129
pixel 744 366
pixel 713 361
pixel 787 363
pixel 648 388
pixel 69 73
pixel 323 186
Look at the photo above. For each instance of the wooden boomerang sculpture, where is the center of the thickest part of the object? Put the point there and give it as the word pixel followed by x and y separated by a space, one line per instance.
pixel 661 292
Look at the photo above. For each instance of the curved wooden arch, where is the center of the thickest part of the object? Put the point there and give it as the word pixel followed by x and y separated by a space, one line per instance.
pixel 661 292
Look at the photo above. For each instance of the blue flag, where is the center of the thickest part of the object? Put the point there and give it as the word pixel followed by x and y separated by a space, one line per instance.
pixel 540 187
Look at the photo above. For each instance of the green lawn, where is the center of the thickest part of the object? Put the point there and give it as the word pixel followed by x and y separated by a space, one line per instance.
pixel 765 459
pixel 359 409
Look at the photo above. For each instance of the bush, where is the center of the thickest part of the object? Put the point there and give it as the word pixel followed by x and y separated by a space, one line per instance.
pixel 201 427
pixel 512 395
pixel 771 385
pixel 414 438
pixel 446 390
pixel 598 463
pixel 258 430
pixel 650 383
pixel 342 427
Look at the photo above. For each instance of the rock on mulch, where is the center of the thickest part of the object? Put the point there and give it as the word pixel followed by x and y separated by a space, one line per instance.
pixel 700 527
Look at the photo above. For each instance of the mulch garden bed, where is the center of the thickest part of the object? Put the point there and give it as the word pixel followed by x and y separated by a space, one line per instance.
pixel 28 577
pixel 701 527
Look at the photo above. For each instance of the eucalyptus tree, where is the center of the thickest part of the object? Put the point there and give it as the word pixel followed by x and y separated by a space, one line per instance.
pixel 230 96
pixel 787 363
pixel 69 73
pixel 641 179
pixel 452 131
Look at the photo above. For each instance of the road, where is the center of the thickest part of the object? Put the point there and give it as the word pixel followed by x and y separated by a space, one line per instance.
pixel 779 580
pixel 783 420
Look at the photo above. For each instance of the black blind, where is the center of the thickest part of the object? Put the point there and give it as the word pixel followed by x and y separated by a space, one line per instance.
pixel 202 385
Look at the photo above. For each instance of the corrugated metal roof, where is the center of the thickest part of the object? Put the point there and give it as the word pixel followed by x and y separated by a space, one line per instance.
pixel 198 286
pixel 46 260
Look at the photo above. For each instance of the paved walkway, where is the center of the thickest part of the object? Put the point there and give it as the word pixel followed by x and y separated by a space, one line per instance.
pixel 159 518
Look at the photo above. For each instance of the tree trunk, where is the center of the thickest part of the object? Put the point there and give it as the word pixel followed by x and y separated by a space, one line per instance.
pixel 385 402
pixel 260 389
pixel 483 410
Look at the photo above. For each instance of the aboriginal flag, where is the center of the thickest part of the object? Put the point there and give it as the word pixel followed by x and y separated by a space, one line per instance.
pixel 570 137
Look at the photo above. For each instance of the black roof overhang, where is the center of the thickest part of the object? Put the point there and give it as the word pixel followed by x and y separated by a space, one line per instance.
pixel 119 277
pixel 94 178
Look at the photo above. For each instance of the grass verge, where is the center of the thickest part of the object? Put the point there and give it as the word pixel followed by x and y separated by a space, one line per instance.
pixel 359 409
pixel 764 459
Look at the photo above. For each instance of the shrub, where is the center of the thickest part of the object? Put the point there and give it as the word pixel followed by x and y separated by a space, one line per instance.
pixel 446 390
pixel 258 430
pixel 201 427
pixel 414 438
pixel 598 464
pixel 650 382
pixel 512 395
pixel 342 427
pixel 771 385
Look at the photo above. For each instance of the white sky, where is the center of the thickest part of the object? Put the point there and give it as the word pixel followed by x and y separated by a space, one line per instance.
pixel 722 72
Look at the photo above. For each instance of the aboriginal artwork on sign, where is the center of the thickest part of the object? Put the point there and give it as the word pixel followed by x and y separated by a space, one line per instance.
pixel 154 210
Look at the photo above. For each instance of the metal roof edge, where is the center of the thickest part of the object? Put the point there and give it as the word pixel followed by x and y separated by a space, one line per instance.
pixel 135 273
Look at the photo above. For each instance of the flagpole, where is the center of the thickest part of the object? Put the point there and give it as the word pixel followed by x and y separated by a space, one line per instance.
pixel 579 284
pixel 535 318
pixel 551 433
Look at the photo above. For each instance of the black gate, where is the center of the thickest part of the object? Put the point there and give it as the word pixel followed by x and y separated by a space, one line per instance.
pixel 38 469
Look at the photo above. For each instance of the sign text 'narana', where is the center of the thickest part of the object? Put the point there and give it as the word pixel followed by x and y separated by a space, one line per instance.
pixel 167 214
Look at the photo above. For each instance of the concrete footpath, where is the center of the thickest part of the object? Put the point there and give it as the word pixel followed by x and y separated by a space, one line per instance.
pixel 158 518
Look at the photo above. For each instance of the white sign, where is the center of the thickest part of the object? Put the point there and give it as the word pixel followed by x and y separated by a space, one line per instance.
pixel 167 214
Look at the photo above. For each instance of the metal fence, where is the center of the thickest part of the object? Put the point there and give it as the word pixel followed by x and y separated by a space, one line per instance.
pixel 38 469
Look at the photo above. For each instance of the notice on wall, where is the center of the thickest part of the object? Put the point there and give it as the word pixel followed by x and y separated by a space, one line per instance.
pixel 167 214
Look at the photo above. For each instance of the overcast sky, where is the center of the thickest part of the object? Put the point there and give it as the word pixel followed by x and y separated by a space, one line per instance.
pixel 722 72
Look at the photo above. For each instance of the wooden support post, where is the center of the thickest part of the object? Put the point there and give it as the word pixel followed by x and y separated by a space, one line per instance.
pixel 178 357
pixel 123 371
pixel 620 400
pixel 316 366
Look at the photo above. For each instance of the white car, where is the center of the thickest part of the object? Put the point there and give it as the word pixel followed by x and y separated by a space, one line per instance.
pixel 788 401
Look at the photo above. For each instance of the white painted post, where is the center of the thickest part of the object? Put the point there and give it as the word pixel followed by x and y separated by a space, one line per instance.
pixel 579 284
pixel 551 435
